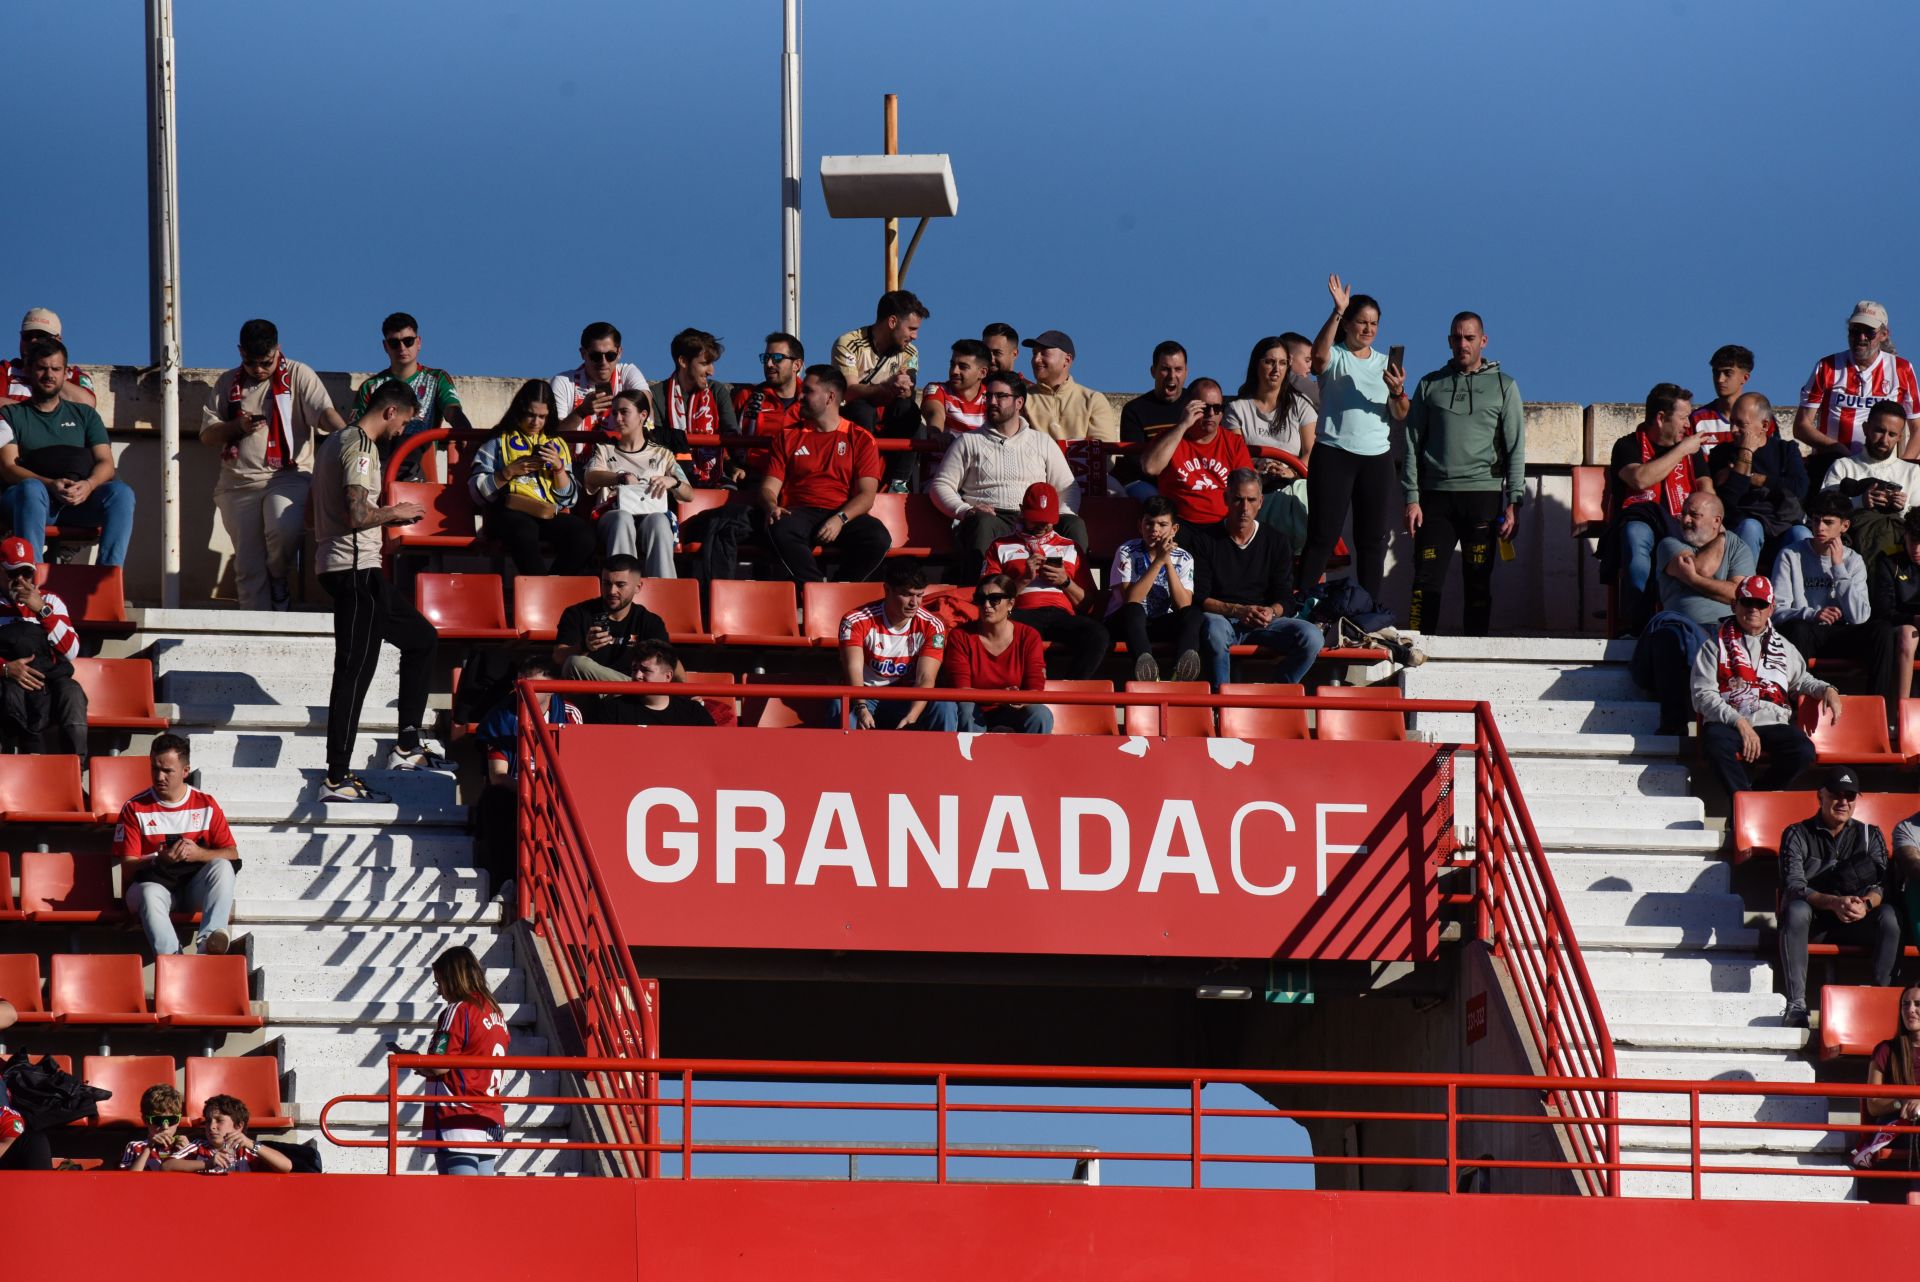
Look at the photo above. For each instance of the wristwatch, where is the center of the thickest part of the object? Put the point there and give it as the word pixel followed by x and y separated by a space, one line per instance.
pixel 46 611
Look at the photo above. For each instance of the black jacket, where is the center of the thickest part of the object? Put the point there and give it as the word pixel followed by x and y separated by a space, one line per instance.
pixel 1894 591
pixel 1853 863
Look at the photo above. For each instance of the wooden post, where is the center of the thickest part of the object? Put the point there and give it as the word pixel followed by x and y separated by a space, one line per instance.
pixel 892 148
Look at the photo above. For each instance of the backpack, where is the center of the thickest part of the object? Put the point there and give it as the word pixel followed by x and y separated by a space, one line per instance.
pixel 46 1096
pixel 1346 600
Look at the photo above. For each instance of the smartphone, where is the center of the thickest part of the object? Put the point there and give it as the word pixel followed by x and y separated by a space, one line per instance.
pixel 1397 356
pixel 1055 562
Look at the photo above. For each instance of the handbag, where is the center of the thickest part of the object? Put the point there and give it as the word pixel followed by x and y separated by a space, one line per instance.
pixel 538 509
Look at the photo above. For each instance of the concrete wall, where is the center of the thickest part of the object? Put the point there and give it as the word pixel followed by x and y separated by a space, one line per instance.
pixel 1549 587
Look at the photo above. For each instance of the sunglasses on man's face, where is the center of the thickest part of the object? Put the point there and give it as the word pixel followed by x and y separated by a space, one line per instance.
pixel 163 1119
pixel 403 340
pixel 776 358
pixel 1861 331
pixel 1212 411
pixel 603 357
pixel 1749 603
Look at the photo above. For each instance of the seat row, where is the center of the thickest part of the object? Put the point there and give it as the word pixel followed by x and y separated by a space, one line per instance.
pixel 60 888
pixel 107 988
pixel 44 788
pixel 252 1079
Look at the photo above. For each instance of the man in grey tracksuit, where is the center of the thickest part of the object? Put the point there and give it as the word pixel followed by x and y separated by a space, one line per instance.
pixel 1464 475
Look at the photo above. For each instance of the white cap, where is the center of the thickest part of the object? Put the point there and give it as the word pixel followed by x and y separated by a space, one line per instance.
pixel 1865 312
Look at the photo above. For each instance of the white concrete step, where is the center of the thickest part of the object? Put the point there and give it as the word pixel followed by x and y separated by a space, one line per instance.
pixel 318 848
pixel 1605 812
pixel 1731 1066
pixel 1609 746
pixel 1560 776
pixel 319 1084
pixel 290 983
pixel 417 788
pixel 378 717
pixel 363 1047
pixel 362 882
pixel 1504 650
pixel 314 945
pixel 1707 1037
pixel 523 1121
pixel 1783 1187
pixel 225 750
pixel 1504 684
pixel 1635 873
pixel 1550 716
pixel 351 1014
pixel 1565 839
pixel 248 911
pixel 270 680
pixel 1738 939
pixel 1688 909
pixel 1728 1013
pixel 1703 974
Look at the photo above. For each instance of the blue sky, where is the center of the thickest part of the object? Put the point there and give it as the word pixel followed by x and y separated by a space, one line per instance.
pixel 1619 188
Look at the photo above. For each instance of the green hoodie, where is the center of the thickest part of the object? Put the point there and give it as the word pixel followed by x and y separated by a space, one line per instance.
pixel 1466 432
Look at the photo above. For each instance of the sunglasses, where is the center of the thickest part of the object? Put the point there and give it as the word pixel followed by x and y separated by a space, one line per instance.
pixel 21 572
pixel 598 357
pixel 163 1119
pixel 1861 331
pixel 1752 604
pixel 776 358
pixel 1212 411
pixel 398 341
pixel 991 599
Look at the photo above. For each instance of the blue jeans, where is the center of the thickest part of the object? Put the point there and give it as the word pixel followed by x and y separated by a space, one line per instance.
pixel 32 507
pixel 1663 663
pixel 210 891
pixel 1294 641
pixel 1636 540
pixel 1034 718
pixel 1753 534
pixel 887 714
pixel 453 1162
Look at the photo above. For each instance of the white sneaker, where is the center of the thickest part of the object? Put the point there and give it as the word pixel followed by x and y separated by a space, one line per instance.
pixel 429 756
pixel 352 788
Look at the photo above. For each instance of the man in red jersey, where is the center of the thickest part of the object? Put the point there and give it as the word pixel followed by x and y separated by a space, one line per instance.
pixel 819 488
pixel 1046 565
pixel 959 404
pixel 177 853
pixel 1846 385
pixel 1194 457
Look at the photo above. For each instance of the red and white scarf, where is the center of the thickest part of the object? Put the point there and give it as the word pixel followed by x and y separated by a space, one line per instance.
pixel 696 415
pixel 280 450
pixel 1744 686
pixel 1672 490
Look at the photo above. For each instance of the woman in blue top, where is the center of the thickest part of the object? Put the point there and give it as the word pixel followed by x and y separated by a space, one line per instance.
pixel 1361 396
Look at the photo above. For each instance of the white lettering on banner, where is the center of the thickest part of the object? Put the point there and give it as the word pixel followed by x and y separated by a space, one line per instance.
pixel 1239 876
pixel 1072 811
pixel 835 807
pixel 942 857
pixel 1320 846
pixel 665 832
pixel 730 839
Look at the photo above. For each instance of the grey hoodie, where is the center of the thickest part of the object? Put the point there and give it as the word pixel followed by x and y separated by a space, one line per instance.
pixel 1466 432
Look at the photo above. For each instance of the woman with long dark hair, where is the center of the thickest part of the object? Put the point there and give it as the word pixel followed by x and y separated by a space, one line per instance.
pixel 638 478
pixel 1269 410
pixel 470 1025
pixel 1893 1064
pixel 522 483
pixel 1361 397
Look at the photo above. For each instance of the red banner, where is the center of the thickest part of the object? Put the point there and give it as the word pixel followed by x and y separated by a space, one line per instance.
pixel 903 841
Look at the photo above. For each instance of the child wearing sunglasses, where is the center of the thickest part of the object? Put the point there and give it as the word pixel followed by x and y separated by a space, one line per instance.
pixel 162 1107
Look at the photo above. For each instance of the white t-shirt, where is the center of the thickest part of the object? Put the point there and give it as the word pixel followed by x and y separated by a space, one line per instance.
pixel 1894 470
pixel 570 387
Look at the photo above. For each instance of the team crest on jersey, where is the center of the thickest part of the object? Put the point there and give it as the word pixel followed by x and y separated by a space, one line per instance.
pixel 840 447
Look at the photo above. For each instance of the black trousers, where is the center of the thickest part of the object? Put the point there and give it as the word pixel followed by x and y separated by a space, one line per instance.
pixel 1448 517
pixel 571 536
pixel 1132 625
pixel 1813 640
pixel 899 421
pixel 1801 922
pixel 52 719
pixel 1080 644
pixel 976 534
pixel 1787 750
pixel 1338 483
pixel 860 548
pixel 366 612
pixel 496 834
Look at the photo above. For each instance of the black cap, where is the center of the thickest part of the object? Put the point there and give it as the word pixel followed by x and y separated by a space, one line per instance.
pixel 1839 779
pixel 1051 338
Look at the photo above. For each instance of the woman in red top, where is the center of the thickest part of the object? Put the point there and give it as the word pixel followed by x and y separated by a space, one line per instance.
pixel 1893 1064
pixel 471 1025
pixel 996 653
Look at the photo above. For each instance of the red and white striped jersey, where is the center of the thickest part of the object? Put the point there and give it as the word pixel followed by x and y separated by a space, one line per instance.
pixel 19 389
pixel 1011 556
pixel 58 625
pixel 1843 393
pixel 147 824
pixel 962 415
pixel 891 652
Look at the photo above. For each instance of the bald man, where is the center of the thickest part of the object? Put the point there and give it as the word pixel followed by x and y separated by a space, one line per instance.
pixel 1695 575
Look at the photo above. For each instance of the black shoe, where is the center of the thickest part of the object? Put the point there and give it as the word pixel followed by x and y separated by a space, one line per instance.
pixel 1796 1016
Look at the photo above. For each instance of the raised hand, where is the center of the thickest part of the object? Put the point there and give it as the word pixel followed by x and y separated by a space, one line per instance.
pixel 1341 293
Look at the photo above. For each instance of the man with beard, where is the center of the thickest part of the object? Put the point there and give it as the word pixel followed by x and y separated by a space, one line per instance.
pixel 1696 574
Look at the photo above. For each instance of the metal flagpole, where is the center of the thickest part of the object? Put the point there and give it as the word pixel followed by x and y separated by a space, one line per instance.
pixel 163 263
pixel 790 171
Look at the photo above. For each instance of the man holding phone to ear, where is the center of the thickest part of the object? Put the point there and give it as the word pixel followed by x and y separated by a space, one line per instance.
pixel 1464 475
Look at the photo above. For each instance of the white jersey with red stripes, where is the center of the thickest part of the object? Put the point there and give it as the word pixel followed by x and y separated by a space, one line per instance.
pixel 148 824
pixel 962 415
pixel 1843 393
pixel 58 624
pixel 1015 554
pixel 889 652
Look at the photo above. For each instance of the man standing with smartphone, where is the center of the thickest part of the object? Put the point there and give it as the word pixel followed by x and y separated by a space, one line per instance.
pixel 1464 476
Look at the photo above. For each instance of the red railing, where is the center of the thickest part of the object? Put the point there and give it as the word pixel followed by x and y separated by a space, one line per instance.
pixel 1518 910
pixel 941 1121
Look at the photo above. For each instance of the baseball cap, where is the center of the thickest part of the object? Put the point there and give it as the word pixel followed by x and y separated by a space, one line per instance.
pixel 41 318
pixel 15 552
pixel 1041 503
pixel 1865 312
pixel 1755 587
pixel 1841 779
pixel 1051 338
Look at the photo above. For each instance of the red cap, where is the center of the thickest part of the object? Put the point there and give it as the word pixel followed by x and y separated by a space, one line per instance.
pixel 1041 504
pixel 15 552
pixel 1755 587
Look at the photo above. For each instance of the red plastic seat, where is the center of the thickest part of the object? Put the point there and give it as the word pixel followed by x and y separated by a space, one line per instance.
pixel 9 908
pixel 203 992
pixel 1760 817
pixel 42 789
pixel 823 605
pixel 916 526
pixel 677 602
pixel 98 988
pixel 114 781
pixel 252 1079
pixel 95 596
pixel 128 1077
pixel 1181 723
pixel 744 612
pixel 1083 718
pixel 449 521
pixel 464 607
pixel 1111 521
pixel 1853 1020
pixel 1350 724
pixel 767 712
pixel 1858 738
pixel 1262 723
pixel 1347 654
pixel 538 600
pixel 119 694
pixel 20 984
pixel 704 500
pixel 57 887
